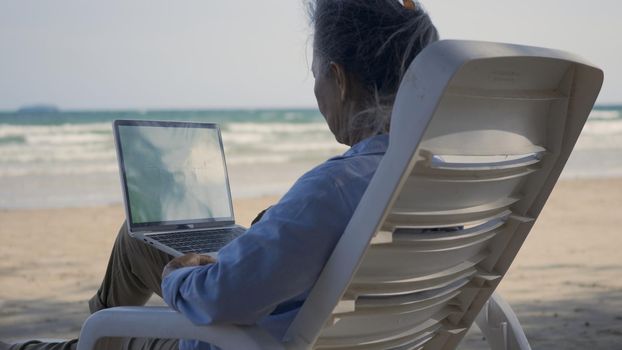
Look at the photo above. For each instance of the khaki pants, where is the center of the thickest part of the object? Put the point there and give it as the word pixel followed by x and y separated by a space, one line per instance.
pixel 134 273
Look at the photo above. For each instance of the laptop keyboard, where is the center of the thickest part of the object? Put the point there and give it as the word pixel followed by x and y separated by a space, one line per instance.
pixel 199 241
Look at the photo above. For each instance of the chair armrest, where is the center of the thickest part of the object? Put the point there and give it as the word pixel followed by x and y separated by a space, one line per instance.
pixel 162 322
pixel 500 326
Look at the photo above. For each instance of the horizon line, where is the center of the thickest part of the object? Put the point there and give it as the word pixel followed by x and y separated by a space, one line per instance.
pixel 159 109
pixel 188 109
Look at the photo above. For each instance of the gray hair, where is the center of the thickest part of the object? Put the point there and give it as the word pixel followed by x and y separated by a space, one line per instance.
pixel 375 41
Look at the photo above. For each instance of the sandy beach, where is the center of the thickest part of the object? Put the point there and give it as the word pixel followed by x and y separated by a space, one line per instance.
pixel 565 285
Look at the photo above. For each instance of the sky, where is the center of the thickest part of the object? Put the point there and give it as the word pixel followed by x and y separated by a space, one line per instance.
pixel 190 54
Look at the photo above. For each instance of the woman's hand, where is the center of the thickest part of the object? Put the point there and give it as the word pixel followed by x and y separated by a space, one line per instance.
pixel 190 259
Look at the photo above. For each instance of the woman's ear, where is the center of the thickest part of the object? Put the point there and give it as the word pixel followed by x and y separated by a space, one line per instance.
pixel 339 74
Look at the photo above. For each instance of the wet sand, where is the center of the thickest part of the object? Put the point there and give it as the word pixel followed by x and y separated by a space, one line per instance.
pixel 565 284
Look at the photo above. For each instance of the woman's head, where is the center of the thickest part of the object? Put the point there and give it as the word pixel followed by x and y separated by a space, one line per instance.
pixel 362 49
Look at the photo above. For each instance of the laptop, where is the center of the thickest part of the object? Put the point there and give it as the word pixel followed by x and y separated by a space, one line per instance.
pixel 175 185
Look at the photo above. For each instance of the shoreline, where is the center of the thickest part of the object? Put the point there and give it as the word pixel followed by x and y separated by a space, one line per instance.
pixel 67 191
pixel 263 189
pixel 564 284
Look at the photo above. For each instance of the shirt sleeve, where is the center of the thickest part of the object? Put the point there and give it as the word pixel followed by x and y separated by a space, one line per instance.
pixel 276 260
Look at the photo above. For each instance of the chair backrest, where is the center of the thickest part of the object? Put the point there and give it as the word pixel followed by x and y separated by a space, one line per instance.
pixel 480 133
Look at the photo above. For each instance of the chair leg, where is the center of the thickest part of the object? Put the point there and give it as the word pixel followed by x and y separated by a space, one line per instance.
pixel 500 326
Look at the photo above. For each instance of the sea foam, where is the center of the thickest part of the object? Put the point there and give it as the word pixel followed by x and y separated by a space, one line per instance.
pixel 261 147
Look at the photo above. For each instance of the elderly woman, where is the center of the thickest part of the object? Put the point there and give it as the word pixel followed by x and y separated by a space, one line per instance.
pixel 361 51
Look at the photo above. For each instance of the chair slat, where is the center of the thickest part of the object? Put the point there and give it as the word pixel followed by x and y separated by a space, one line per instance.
pixel 408 342
pixel 513 94
pixel 399 308
pixel 371 287
pixel 438 245
pixel 491 126
pixel 485 163
pixel 457 193
pixel 371 301
pixel 375 330
pixel 445 218
pixel 439 237
pixel 386 262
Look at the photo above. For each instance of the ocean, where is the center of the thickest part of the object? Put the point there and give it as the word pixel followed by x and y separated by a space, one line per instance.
pixel 67 159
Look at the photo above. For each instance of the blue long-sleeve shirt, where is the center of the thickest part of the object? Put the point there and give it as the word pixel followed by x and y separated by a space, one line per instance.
pixel 264 276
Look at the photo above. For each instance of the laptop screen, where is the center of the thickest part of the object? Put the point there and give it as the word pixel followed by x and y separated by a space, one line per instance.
pixel 173 173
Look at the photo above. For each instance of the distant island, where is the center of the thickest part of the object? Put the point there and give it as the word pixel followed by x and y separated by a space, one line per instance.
pixel 38 109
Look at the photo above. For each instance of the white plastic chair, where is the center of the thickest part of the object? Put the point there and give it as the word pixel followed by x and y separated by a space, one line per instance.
pixel 480 133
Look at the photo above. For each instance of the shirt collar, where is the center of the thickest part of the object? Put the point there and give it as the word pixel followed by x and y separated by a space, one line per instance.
pixel 372 145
